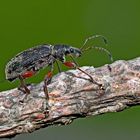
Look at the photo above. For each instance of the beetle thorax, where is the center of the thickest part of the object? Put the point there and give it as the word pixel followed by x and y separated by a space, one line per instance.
pixel 59 52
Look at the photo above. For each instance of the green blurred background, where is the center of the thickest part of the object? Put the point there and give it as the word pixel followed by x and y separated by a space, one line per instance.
pixel 24 24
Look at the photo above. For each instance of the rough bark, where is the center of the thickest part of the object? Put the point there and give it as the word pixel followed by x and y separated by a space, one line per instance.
pixel 71 96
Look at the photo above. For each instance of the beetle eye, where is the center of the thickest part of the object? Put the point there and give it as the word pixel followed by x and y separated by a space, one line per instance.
pixel 71 50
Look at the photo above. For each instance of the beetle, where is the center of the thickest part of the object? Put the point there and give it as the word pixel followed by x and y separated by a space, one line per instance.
pixel 29 62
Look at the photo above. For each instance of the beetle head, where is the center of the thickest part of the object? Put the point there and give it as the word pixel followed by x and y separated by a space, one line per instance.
pixel 73 51
pixel 61 50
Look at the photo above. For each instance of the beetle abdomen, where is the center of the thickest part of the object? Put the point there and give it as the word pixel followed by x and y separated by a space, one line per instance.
pixel 32 59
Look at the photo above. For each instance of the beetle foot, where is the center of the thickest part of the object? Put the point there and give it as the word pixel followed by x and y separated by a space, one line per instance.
pixel 26 91
pixel 109 68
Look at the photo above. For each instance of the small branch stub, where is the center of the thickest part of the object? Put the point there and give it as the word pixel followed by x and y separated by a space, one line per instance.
pixel 71 96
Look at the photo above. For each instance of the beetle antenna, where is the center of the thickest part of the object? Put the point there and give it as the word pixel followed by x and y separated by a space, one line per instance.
pixel 101 49
pixel 93 37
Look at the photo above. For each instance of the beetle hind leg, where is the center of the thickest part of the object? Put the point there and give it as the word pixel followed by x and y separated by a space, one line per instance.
pixel 23 87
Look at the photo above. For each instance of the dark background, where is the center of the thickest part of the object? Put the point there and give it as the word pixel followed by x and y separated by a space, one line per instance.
pixel 24 24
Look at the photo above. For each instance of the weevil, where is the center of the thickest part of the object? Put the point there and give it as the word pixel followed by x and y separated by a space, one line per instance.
pixel 29 62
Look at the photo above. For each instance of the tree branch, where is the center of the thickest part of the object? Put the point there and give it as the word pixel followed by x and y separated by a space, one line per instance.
pixel 71 96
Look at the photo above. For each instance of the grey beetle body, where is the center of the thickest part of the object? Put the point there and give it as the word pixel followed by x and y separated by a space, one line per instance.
pixel 36 58
pixel 30 61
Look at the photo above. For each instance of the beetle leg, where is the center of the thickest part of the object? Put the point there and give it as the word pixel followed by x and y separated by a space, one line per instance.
pixel 77 65
pixel 59 69
pixel 23 85
pixel 47 81
pixel 74 65
pixel 27 74
pixel 91 78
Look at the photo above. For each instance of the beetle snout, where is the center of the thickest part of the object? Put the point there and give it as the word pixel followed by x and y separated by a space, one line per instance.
pixel 77 54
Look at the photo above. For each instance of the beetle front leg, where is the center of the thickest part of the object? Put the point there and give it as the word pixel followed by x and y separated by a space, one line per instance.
pixel 73 65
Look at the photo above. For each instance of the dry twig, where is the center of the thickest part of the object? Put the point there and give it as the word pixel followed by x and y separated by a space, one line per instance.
pixel 71 97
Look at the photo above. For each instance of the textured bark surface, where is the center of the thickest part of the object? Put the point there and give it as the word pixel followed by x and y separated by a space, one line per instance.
pixel 71 96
